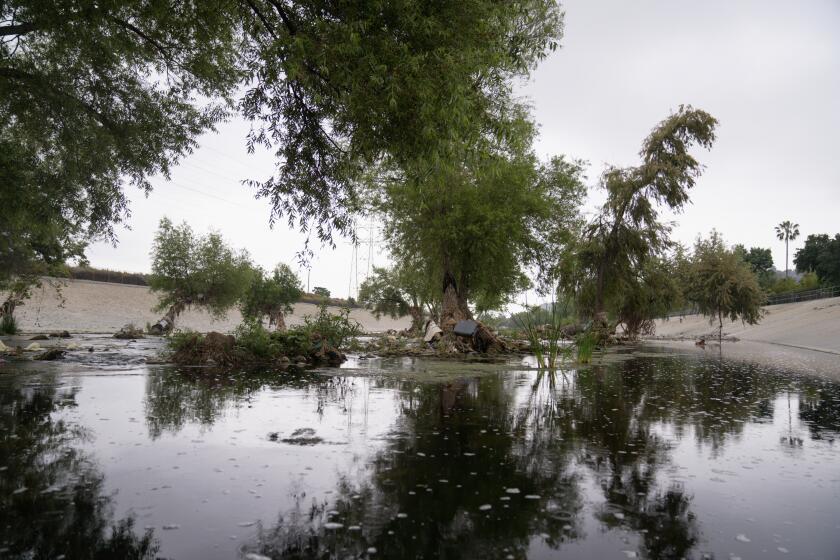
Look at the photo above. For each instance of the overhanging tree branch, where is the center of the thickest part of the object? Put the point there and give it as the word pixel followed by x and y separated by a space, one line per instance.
pixel 17 29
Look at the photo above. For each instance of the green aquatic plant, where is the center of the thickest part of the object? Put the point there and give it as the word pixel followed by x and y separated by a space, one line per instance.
pixel 585 344
pixel 543 327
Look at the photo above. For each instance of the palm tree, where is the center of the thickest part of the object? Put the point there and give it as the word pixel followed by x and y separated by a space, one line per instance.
pixel 787 232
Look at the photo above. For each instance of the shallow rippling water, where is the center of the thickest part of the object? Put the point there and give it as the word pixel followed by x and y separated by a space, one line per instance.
pixel 658 454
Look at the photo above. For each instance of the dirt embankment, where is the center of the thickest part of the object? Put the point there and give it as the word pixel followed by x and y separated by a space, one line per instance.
pixel 102 307
pixel 812 325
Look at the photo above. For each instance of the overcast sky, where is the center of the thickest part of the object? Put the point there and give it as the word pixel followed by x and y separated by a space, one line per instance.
pixel 768 71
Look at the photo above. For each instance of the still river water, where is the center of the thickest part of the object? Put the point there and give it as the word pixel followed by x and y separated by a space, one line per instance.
pixel 659 453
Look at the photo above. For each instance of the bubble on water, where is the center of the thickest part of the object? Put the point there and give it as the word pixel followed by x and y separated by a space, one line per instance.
pixel 354 528
pixel 618 516
pixel 332 525
pixel 255 556
pixel 246 523
pixel 469 454
pixel 782 549
pixel 512 490
pixel 371 550
pixel 532 497
pixel 741 537
pixel 402 515
pixel 630 553
pixel 485 507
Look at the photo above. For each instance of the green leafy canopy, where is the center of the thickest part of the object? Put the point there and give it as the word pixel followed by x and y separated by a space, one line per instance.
pixel 190 270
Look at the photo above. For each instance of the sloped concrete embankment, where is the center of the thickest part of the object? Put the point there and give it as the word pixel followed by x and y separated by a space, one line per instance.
pixel 85 306
pixel 812 325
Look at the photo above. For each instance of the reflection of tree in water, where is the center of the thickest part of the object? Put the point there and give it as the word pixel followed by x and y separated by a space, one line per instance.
pixel 175 398
pixel 51 501
pixel 625 453
pixel 611 421
pixel 819 408
pixel 454 449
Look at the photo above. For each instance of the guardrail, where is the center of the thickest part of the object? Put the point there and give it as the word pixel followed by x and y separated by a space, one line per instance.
pixel 808 295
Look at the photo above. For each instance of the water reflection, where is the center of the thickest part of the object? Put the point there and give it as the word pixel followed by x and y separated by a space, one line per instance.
pixel 51 494
pixel 176 398
pixel 651 456
pixel 487 467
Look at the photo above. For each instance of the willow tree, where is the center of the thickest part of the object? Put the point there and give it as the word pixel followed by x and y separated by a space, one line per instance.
pixel 337 87
pixel 473 227
pixel 652 294
pixel 721 285
pixel 397 292
pixel 94 97
pixel 189 270
pixel 627 232
pixel 271 296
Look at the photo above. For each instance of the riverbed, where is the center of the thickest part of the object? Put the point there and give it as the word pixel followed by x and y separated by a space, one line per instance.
pixel 648 452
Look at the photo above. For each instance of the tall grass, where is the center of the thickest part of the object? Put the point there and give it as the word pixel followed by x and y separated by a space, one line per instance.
pixel 8 324
pixel 585 343
pixel 544 330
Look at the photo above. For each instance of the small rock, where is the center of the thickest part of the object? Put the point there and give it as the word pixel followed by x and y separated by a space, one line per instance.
pixel 40 337
pixel 51 354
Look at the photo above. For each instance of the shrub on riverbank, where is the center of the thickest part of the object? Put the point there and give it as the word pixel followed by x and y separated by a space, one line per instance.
pixel 318 340
pixel 8 324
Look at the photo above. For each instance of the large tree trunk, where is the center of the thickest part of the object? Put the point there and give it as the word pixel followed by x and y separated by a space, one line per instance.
pixel 167 323
pixel 454 307
pixel 278 320
pixel 416 319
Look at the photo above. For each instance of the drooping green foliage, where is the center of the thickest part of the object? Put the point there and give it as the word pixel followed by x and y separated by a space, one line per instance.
pixel 721 285
pixel 396 292
pixel 651 295
pixel 271 296
pixel 191 270
pixel 821 255
pixel 627 233
pixel 95 96
pixel 338 87
pixel 98 95
pixel 476 227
